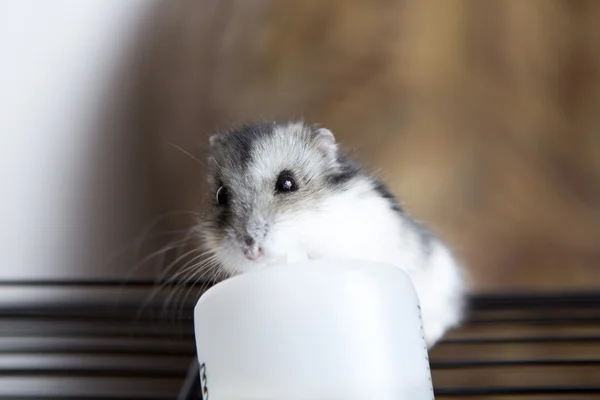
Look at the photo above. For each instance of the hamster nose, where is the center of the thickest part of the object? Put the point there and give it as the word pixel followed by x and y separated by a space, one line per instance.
pixel 248 241
pixel 253 253
pixel 252 250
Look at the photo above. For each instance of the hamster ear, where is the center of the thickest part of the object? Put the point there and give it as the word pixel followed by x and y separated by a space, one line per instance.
pixel 215 144
pixel 324 141
pixel 214 141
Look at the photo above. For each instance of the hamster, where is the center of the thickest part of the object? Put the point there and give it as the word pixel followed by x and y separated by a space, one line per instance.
pixel 282 188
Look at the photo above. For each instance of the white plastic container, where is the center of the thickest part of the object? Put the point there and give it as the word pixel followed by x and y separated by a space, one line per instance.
pixel 316 330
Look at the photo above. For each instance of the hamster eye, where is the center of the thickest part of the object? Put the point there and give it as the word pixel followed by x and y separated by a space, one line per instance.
pixel 286 183
pixel 221 196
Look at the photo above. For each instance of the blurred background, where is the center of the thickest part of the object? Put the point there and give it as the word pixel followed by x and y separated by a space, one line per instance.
pixel 482 116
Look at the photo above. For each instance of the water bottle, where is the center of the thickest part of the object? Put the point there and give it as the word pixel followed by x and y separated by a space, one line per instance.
pixel 313 330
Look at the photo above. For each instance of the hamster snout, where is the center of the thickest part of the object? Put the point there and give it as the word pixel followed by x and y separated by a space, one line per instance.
pixel 252 250
pixel 253 237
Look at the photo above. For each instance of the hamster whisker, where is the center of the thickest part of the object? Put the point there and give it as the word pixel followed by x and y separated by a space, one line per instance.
pixel 161 285
pixel 187 153
pixel 200 276
pixel 161 252
pixel 199 271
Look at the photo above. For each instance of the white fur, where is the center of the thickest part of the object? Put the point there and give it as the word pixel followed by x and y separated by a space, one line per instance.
pixel 359 224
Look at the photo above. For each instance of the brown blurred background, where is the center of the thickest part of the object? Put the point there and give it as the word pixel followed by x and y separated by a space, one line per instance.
pixel 483 116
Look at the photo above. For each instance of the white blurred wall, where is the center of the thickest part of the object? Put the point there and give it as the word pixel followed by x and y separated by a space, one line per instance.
pixel 57 58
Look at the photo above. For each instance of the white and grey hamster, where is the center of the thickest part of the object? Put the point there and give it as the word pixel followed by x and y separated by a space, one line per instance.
pixel 283 188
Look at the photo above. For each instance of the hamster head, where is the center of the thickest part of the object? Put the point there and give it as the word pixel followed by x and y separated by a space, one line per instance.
pixel 265 179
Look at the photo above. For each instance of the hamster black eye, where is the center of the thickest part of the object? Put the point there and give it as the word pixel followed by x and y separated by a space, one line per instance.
pixel 286 183
pixel 221 196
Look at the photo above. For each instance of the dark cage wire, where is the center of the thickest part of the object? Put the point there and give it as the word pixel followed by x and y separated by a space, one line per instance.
pixel 103 340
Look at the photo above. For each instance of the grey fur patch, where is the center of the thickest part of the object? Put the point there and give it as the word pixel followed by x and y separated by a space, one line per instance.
pixel 239 142
pixel 347 170
pixel 231 153
pixel 384 192
pixel 425 237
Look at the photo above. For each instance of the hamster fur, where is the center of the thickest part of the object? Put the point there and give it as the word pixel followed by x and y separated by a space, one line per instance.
pixel 283 188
